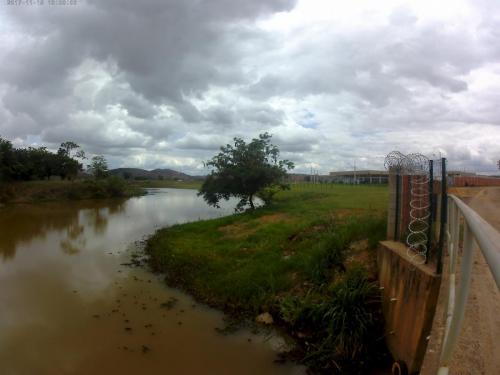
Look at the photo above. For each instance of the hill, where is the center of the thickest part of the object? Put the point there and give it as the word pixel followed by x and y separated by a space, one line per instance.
pixel 155 174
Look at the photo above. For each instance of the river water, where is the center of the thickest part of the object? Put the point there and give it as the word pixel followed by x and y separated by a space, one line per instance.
pixel 69 305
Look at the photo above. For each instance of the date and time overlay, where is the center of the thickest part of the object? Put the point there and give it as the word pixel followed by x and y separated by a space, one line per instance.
pixel 29 3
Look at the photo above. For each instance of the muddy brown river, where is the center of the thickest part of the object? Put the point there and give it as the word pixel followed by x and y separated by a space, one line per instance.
pixel 68 305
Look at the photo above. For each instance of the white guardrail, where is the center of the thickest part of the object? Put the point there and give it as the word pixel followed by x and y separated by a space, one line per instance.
pixel 475 229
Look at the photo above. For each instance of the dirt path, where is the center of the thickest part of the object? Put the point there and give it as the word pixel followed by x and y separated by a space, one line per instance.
pixel 478 350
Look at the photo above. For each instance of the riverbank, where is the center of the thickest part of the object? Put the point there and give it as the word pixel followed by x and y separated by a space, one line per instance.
pixel 175 184
pixel 306 263
pixel 43 191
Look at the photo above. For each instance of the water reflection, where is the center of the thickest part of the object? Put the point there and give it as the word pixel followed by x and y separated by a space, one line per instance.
pixel 20 224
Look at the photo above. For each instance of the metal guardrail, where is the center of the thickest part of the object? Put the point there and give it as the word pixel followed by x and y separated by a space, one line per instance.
pixel 475 229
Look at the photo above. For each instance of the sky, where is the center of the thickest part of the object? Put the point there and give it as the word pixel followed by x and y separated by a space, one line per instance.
pixel 164 83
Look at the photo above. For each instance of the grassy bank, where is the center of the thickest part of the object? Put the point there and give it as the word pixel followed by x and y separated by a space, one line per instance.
pixel 42 191
pixel 308 260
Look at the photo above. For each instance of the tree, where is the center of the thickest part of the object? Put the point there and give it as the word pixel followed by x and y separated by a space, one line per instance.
pixel 80 154
pixel 245 170
pixel 7 160
pixel 30 163
pixel 67 147
pixel 67 167
pixel 98 167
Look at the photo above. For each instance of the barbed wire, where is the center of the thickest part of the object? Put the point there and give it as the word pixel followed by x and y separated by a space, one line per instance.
pixel 416 166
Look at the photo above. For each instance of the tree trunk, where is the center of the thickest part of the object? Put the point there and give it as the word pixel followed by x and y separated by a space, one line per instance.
pixel 250 199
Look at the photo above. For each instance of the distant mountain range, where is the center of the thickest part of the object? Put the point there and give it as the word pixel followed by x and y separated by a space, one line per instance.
pixel 155 174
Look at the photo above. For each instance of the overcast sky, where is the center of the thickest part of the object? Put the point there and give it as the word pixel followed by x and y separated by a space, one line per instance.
pixel 164 83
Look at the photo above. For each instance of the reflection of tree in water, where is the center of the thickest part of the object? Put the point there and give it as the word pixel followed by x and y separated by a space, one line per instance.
pixel 98 216
pixel 116 206
pixel 20 224
pixel 74 240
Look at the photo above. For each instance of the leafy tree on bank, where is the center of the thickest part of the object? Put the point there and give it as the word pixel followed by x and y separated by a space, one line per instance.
pixel 245 171
pixel 68 167
pixel 98 167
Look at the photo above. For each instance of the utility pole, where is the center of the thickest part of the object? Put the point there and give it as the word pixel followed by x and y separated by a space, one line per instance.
pixel 355 177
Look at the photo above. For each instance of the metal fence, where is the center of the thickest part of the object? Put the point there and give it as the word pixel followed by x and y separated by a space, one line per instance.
pixel 475 230
pixel 418 194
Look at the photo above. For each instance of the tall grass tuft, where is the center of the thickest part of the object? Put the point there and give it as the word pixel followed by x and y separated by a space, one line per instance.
pixel 330 251
pixel 343 322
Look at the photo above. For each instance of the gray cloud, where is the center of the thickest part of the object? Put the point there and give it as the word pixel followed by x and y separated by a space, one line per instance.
pixel 165 83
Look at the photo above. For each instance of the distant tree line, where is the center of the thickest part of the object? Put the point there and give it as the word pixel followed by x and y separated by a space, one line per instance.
pixel 38 163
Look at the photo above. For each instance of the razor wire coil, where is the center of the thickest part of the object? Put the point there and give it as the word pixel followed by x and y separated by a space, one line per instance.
pixel 416 166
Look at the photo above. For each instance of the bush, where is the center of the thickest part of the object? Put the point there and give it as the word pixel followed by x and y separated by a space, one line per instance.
pixel 343 322
pixel 115 186
pixel 349 314
pixel 267 193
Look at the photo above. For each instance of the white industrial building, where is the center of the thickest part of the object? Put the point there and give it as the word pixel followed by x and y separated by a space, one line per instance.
pixel 359 177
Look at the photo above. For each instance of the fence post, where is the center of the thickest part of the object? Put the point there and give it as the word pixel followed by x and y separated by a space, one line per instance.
pixel 444 205
pixel 396 218
pixel 431 203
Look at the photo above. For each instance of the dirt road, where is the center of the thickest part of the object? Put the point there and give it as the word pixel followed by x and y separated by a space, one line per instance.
pixel 478 350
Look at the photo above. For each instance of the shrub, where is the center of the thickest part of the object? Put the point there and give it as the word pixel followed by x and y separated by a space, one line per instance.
pixel 115 186
pixel 267 193
pixel 349 314
pixel 343 321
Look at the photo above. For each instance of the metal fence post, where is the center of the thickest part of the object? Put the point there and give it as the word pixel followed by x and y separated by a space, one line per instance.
pixel 431 203
pixel 396 218
pixel 444 209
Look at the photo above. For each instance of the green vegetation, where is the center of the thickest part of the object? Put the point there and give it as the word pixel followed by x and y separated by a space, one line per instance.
pixel 23 171
pixel 98 167
pixel 39 191
pixel 24 164
pixel 308 259
pixel 245 170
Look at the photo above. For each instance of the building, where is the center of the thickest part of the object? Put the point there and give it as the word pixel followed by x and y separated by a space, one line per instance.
pixel 359 177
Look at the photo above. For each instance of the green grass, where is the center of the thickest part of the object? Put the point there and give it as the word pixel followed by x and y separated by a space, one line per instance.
pixel 297 248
